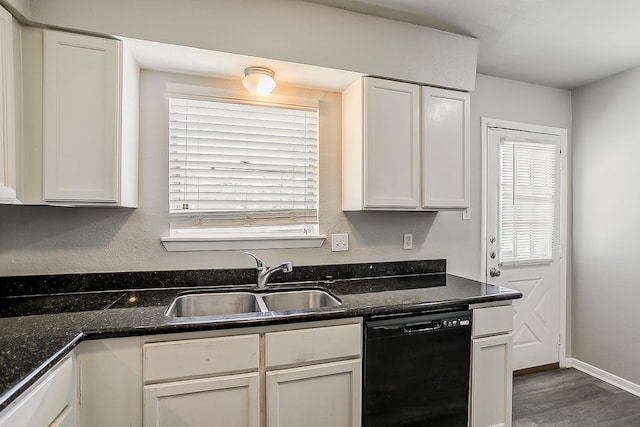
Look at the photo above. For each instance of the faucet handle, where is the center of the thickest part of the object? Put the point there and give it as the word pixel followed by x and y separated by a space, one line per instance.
pixel 287 267
pixel 261 263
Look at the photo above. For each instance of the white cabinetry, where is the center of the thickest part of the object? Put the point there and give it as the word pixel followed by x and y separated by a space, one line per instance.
pixel 320 393
pixel 315 396
pixel 8 159
pixel 226 391
pixel 491 367
pixel 49 402
pixel 89 121
pixel 384 171
pixel 229 401
pixel 404 147
pixel 445 149
pixel 278 376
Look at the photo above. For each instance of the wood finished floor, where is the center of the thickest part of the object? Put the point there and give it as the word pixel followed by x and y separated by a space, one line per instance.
pixel 570 398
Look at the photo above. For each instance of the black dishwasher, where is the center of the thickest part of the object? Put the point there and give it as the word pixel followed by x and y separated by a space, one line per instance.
pixel 416 370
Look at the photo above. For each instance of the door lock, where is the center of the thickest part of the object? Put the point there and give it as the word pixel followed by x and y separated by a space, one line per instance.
pixel 492 239
pixel 492 254
pixel 494 273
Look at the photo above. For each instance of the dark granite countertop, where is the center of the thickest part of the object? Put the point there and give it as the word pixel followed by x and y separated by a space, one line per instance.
pixel 36 331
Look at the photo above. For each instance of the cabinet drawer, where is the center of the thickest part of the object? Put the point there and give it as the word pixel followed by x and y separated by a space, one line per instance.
pixel 199 357
pixel 312 345
pixel 45 402
pixel 492 320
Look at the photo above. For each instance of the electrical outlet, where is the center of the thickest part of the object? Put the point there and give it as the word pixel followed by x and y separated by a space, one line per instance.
pixel 408 241
pixel 339 242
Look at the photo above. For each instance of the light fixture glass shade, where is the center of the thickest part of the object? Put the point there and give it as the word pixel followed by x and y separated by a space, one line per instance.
pixel 259 80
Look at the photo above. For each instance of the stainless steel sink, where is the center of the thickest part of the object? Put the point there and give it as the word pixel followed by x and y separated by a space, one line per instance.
pixel 233 303
pixel 299 300
pixel 213 304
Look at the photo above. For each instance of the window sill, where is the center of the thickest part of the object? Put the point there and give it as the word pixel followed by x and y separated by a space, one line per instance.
pixel 190 244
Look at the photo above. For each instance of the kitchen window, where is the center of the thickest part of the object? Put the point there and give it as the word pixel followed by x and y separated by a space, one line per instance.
pixel 242 171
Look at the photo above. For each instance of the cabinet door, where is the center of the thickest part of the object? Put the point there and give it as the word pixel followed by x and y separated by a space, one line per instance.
pixel 229 401
pixel 491 381
pixel 81 118
pixel 315 396
pixel 49 402
pixel 7 111
pixel 66 419
pixel 446 146
pixel 392 144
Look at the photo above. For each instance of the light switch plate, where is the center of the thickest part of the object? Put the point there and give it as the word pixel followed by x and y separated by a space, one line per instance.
pixel 339 242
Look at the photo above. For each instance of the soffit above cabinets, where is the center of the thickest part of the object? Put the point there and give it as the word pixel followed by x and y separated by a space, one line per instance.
pixel 190 60
pixel 563 44
pixel 285 30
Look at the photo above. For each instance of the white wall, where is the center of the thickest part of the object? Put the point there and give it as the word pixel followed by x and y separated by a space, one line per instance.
pixel 606 242
pixel 40 240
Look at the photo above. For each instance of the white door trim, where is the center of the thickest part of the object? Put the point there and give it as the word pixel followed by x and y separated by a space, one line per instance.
pixel 485 124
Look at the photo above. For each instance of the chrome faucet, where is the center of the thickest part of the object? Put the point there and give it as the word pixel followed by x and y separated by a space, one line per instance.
pixel 265 272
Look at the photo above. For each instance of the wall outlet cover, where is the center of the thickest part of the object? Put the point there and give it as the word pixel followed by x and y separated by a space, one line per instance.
pixel 407 241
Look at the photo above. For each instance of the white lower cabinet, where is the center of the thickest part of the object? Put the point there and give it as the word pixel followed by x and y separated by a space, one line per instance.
pixel 315 396
pixel 287 375
pixel 218 397
pixel 491 367
pixel 229 401
pixel 49 402
pixel 314 376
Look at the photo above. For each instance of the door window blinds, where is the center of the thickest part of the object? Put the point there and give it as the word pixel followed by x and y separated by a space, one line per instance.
pixel 242 168
pixel 527 205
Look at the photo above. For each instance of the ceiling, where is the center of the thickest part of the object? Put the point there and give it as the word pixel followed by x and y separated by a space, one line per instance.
pixel 558 43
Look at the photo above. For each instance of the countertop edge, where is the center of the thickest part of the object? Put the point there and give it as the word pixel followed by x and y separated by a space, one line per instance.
pixel 23 385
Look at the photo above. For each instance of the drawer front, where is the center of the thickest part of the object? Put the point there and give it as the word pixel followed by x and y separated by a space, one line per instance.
pixel 492 320
pixel 45 402
pixel 200 357
pixel 312 345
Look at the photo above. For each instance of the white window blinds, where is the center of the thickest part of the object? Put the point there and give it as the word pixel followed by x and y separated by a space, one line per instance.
pixel 528 193
pixel 243 168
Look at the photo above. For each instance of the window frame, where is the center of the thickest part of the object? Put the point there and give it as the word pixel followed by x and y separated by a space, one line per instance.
pixel 191 242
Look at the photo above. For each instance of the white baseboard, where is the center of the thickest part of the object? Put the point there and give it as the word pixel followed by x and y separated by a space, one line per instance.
pixel 604 376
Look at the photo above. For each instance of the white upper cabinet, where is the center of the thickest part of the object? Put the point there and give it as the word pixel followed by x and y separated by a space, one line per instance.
pixel 391 154
pixel 7 112
pixel 381 145
pixel 90 121
pixel 445 148
pixel 404 147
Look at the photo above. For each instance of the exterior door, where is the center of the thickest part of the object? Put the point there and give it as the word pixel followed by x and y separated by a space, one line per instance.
pixel 523 235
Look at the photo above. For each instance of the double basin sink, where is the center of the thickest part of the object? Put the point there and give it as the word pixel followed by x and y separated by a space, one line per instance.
pixel 233 303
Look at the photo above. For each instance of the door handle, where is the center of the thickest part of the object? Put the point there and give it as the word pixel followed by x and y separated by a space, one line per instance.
pixel 494 273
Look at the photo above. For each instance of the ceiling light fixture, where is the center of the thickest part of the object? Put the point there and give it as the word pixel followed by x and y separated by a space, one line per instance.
pixel 259 80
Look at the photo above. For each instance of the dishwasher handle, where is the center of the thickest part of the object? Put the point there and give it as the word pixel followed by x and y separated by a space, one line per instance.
pixel 429 325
